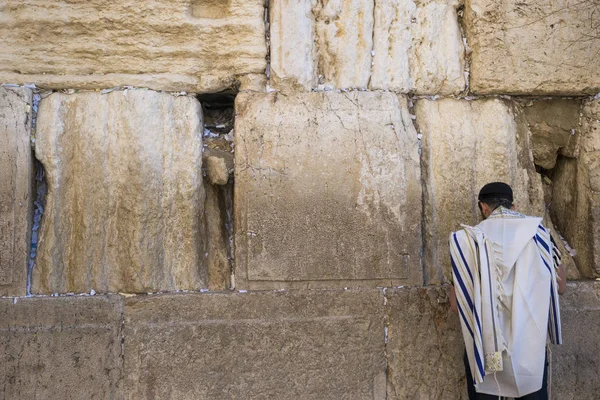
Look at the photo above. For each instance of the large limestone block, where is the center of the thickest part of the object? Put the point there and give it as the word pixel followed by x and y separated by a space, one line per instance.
pixel 276 345
pixel 328 191
pixel 467 144
pixel 60 348
pixel 541 47
pixel 193 45
pixel 425 346
pixel 125 195
pixel 553 125
pixel 16 194
pixel 392 45
pixel 327 42
pixel 575 363
pixel 418 47
pixel 576 194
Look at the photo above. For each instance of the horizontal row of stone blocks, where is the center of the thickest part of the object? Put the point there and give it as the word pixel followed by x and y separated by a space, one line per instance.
pixel 206 45
pixel 314 344
pixel 331 189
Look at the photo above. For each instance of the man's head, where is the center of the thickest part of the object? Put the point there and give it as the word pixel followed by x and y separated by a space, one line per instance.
pixel 494 195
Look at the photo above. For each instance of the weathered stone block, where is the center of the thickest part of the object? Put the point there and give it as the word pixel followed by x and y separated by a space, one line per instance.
pixel 425 346
pixel 418 47
pixel 575 364
pixel 60 348
pixel 309 345
pixel 553 125
pixel 125 195
pixel 392 45
pixel 16 194
pixel 541 47
pixel 576 194
pixel 328 191
pixel 193 45
pixel 467 144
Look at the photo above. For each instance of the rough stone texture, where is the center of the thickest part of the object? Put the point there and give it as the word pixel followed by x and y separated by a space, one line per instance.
pixel 541 47
pixel 215 213
pixel 425 346
pixel 16 170
pixel 575 364
pixel 392 45
pixel 553 125
pixel 327 191
pixel 125 194
pixel 60 348
pixel 467 144
pixel 293 50
pixel 576 194
pixel 418 47
pixel 308 345
pixel 216 170
pixel 193 45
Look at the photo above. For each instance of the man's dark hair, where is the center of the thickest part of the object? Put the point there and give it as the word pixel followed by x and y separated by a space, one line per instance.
pixel 495 202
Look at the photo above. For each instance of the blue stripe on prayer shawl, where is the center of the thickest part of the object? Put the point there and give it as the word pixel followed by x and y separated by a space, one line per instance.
pixel 462 285
pixel 478 360
pixel 462 256
pixel 555 333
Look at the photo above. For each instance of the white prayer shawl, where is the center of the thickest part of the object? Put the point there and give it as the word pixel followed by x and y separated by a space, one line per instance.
pixel 505 281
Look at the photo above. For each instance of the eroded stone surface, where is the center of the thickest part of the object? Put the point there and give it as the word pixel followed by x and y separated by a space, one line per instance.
pixel 418 47
pixel 575 363
pixel 125 194
pixel 542 47
pixel 467 144
pixel 553 125
pixel 327 190
pixel 309 345
pixel 576 194
pixel 425 346
pixel 392 45
pixel 60 348
pixel 16 194
pixel 193 45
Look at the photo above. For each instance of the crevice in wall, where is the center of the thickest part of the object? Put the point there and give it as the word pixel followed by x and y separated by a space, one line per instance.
pixel 217 165
pixel 267 19
pixel 460 11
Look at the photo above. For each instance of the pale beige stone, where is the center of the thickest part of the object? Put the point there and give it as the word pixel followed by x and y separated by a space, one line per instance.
pixel 262 345
pixel 216 170
pixel 328 190
pixel 575 363
pixel 125 194
pixel 467 144
pixel 320 42
pixel 425 346
pixel 418 47
pixel 553 125
pixel 253 83
pixel 344 36
pixel 192 45
pixel 61 348
pixel 541 47
pixel 293 50
pixel 576 194
pixel 16 194
pixel 389 44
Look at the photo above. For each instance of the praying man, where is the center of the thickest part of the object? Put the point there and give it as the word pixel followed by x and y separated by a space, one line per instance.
pixel 506 278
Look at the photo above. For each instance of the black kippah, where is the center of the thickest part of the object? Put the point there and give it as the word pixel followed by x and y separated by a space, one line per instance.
pixel 496 190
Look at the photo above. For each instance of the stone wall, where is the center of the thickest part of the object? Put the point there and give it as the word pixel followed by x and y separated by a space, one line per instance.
pixel 251 199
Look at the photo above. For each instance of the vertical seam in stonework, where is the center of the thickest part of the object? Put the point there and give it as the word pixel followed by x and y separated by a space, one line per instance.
pixel 372 46
pixel 467 66
pixel 267 21
pixel 120 382
pixel 386 323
